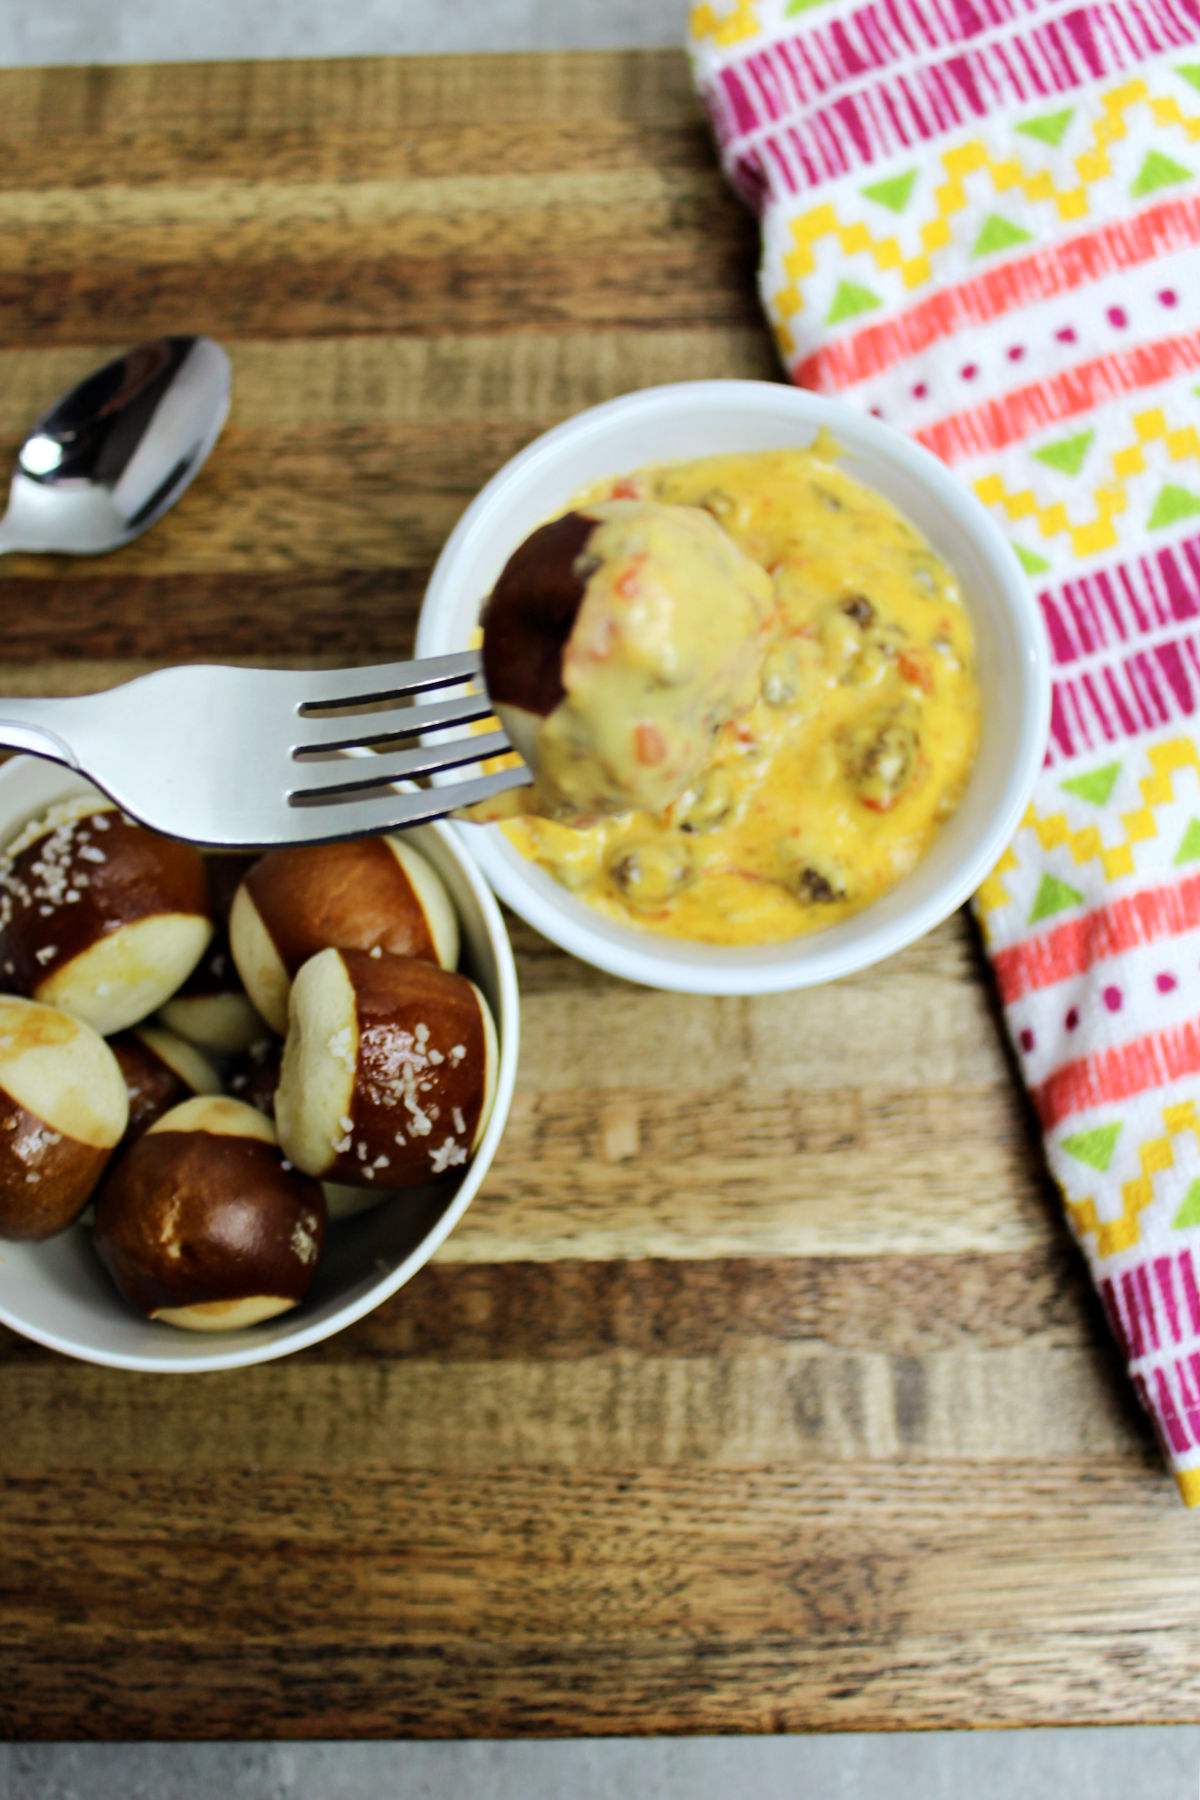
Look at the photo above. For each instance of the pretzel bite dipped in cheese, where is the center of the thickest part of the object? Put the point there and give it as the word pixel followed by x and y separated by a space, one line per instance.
pixel 100 916
pixel 160 1071
pixel 63 1108
pixel 389 1070
pixel 617 642
pixel 373 893
pixel 202 1225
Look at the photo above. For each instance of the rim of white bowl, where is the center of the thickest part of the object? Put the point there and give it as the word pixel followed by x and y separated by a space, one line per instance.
pixel 644 957
pixel 508 1031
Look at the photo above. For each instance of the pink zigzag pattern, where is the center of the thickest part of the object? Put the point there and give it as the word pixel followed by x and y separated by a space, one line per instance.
pixel 1087 44
pixel 1152 1307
pixel 1125 699
pixel 1147 1315
pixel 771 82
pixel 1117 605
pixel 1174 1405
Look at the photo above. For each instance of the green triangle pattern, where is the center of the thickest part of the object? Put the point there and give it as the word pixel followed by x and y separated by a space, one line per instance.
pixel 1093 1147
pixel 1189 850
pixel 997 234
pixel 1030 561
pixel 1068 453
pixel 1053 896
pixel 799 6
pixel 1049 128
pixel 1173 503
pixel 1159 171
pixel 849 301
pixel 1190 72
pixel 1189 1212
pixel 1096 785
pixel 894 193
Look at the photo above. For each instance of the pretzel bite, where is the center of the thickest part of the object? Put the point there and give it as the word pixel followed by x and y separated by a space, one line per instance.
pixel 374 893
pixel 344 1202
pixel 63 1107
pixel 255 1076
pixel 202 1225
pixel 389 1070
pixel 160 1070
pixel 617 642
pixel 99 916
pixel 212 1009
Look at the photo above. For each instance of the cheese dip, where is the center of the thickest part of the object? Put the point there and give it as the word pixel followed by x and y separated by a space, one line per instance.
pixel 828 790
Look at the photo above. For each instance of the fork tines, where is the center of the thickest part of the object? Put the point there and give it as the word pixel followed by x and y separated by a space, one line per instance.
pixel 342 777
pixel 389 681
pixel 344 730
pixel 368 708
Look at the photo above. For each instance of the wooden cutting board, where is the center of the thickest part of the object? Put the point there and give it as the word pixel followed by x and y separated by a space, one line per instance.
pixel 761 1388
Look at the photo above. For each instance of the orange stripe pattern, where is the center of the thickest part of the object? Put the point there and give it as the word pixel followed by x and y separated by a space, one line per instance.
pixel 1080 944
pixel 1118 1073
pixel 1058 269
pixel 1013 416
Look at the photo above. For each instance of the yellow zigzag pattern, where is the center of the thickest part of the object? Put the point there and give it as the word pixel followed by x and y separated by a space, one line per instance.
pixel 741 23
pixel 992 893
pixel 1154 1155
pixel 1098 533
pixel 1053 830
pixel 1091 165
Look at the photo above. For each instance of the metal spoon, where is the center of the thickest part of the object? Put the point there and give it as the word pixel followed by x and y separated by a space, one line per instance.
pixel 114 453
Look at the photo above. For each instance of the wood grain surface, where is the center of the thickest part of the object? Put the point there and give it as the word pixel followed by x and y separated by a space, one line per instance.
pixel 760 1389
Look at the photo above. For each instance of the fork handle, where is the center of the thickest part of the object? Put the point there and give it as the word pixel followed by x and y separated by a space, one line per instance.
pixel 24 726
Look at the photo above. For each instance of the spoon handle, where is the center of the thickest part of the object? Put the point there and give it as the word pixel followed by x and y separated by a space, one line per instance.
pixel 9 539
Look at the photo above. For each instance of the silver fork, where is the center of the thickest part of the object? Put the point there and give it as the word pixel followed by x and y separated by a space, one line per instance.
pixel 254 758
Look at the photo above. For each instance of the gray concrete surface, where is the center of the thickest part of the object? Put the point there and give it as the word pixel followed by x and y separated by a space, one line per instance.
pixel 1136 1764
pixel 115 31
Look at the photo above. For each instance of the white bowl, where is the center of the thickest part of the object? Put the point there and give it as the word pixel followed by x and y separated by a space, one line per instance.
pixel 701 418
pixel 57 1293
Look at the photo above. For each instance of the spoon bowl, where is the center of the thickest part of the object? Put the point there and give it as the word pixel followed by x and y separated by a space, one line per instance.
pixel 115 452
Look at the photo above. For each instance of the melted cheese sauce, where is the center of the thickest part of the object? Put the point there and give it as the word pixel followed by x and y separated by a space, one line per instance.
pixel 859 744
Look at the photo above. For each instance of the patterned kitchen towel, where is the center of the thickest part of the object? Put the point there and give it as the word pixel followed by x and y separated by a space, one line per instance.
pixel 979 222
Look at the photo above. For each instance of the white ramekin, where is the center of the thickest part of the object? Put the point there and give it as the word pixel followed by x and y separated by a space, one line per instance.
pixel 57 1293
pixel 702 418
